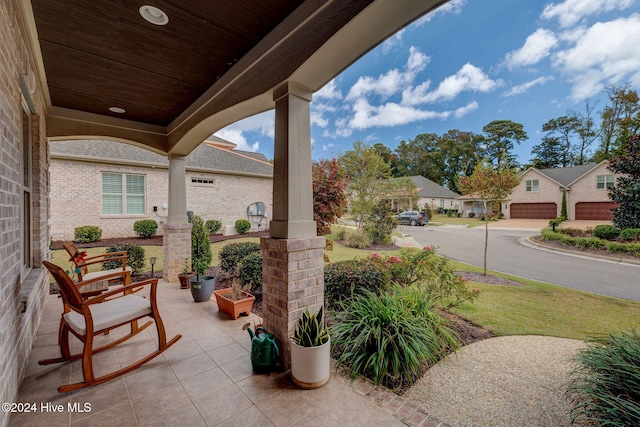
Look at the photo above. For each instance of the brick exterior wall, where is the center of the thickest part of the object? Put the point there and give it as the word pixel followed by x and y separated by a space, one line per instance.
pixel 583 190
pixel 22 293
pixel 293 280
pixel 76 194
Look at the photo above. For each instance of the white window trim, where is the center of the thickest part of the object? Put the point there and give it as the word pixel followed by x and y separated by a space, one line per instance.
pixel 535 185
pixel 123 195
pixel 605 181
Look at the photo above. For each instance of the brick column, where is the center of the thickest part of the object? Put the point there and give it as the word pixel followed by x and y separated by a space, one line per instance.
pixel 293 280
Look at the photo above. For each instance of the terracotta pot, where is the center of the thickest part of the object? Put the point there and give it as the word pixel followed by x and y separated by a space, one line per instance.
pixel 310 366
pixel 184 279
pixel 233 308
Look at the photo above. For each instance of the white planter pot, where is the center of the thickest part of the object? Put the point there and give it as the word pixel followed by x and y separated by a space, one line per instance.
pixel 310 366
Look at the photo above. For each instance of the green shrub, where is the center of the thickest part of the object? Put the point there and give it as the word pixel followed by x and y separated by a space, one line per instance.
pixel 590 243
pixel 630 234
pixel 232 254
pixel 344 279
pixel 606 232
pixel 250 274
pixel 380 224
pixel 357 240
pixel 135 257
pixel 616 247
pixel 573 232
pixel 145 228
pixel 390 337
pixel 500 215
pixel 242 226
pixel 427 212
pixel 472 214
pixel 605 382
pixel 87 234
pixel 201 255
pixel 341 233
pixel 213 225
pixel 449 213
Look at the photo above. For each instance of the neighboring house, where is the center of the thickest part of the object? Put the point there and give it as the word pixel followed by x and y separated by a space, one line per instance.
pixel 112 185
pixel 470 203
pixel 539 194
pixel 427 194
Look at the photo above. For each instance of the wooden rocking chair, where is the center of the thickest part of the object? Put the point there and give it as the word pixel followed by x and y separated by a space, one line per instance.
pixel 81 261
pixel 86 318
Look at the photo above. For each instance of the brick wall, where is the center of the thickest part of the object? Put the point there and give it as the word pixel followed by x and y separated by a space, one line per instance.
pixel 75 205
pixel 22 293
pixel 293 276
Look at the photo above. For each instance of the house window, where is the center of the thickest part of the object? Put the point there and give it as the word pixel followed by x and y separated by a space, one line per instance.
pixel 531 185
pixel 202 181
pixel 123 194
pixel 26 169
pixel 605 181
pixel 442 203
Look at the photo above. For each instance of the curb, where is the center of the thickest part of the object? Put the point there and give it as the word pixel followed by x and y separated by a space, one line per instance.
pixel 609 258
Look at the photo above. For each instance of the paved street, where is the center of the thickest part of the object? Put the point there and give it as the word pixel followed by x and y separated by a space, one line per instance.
pixel 508 254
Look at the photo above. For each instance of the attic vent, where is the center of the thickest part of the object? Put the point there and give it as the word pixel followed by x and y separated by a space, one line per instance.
pixel 202 181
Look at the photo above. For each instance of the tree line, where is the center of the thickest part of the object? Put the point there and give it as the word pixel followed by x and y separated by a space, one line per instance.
pixel 575 138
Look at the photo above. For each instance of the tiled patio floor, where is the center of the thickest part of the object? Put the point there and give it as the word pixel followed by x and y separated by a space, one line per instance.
pixel 205 379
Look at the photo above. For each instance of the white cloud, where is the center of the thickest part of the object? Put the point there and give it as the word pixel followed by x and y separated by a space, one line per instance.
pixel 607 53
pixel 524 87
pixel 571 12
pixel 453 7
pixel 393 81
pixel 390 114
pixel 326 147
pixel 236 136
pixel 537 47
pixel 395 40
pixel 468 78
pixel 329 91
pixel 463 111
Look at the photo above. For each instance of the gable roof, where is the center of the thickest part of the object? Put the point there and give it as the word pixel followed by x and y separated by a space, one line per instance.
pixel 206 157
pixel 427 188
pixel 568 175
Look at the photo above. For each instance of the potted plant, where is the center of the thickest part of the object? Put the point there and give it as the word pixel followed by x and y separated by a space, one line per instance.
pixel 186 274
pixel 201 285
pixel 310 351
pixel 235 300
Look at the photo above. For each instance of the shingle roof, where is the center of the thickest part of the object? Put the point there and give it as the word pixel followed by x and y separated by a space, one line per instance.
pixel 427 188
pixel 568 175
pixel 204 157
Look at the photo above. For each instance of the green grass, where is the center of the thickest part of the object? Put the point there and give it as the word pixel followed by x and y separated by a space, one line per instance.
pixel 538 308
pixel 444 219
pixel 535 308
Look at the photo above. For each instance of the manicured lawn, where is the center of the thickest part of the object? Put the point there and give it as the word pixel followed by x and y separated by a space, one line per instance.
pixel 444 219
pixel 538 308
pixel 534 308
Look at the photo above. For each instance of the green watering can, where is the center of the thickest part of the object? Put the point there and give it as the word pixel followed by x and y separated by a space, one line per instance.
pixel 264 350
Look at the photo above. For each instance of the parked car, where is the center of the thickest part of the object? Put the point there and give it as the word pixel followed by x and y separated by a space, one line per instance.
pixel 412 218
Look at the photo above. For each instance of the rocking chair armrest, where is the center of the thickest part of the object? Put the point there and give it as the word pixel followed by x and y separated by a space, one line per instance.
pixel 119 253
pixel 134 287
pixel 103 258
pixel 125 275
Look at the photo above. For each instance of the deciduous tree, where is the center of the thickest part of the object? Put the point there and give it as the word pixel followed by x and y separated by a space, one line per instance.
pixel 329 196
pixel 490 186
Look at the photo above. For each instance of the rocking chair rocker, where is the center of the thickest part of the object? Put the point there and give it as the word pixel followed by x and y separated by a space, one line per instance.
pixel 86 318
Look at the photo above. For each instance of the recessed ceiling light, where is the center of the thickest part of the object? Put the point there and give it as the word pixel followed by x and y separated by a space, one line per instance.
pixel 153 14
pixel 117 110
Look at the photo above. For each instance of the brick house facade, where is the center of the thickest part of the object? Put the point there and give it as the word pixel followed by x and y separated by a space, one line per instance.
pixel 539 194
pixel 24 199
pixel 220 181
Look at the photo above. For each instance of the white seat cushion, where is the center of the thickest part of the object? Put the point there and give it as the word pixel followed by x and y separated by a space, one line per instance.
pixel 96 274
pixel 110 313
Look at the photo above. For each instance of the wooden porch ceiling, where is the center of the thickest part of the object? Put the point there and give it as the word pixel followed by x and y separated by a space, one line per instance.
pixel 213 63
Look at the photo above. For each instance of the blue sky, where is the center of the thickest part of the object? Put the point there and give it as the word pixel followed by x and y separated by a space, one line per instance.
pixel 466 64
